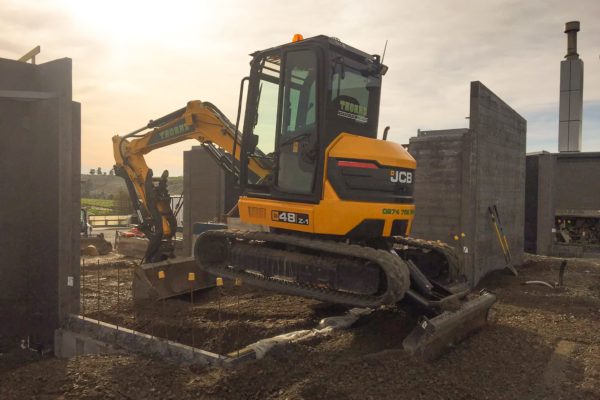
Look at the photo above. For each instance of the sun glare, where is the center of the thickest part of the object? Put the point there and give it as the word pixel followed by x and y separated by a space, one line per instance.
pixel 124 23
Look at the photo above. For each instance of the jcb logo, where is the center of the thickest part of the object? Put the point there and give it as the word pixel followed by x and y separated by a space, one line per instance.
pixel 400 176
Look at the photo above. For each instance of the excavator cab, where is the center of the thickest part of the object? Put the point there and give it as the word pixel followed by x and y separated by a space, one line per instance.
pixel 301 96
pixel 313 109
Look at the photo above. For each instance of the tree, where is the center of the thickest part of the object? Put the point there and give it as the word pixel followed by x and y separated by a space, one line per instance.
pixel 92 171
pixel 99 171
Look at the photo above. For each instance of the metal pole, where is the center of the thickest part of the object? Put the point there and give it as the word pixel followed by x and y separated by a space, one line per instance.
pixel 164 313
pixel 191 279
pixel 192 302
pixel 238 284
pixel 220 289
pixel 118 291
pixel 82 292
pixel 98 291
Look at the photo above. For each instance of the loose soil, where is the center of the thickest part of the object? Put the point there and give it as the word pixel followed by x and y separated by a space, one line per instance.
pixel 542 343
pixel 219 320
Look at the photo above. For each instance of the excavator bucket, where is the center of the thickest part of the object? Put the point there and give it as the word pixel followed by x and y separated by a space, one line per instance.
pixel 161 280
pixel 101 245
pixel 432 337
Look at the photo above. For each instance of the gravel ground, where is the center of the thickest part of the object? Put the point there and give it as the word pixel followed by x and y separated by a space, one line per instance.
pixel 542 343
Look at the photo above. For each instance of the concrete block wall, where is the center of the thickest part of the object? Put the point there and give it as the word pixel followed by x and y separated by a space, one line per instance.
pixel 438 184
pixel 39 191
pixel 559 184
pixel 497 176
pixel 460 173
pixel 203 192
pixel 576 181
pixel 539 203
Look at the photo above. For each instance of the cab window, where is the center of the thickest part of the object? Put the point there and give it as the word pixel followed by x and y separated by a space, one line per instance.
pixel 297 142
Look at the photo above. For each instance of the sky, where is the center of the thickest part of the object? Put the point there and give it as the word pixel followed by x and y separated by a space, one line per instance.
pixel 134 61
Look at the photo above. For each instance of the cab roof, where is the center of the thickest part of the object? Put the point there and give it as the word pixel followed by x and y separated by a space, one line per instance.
pixel 322 40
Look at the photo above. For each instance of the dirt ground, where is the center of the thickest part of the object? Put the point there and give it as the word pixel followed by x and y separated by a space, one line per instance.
pixel 542 343
pixel 219 320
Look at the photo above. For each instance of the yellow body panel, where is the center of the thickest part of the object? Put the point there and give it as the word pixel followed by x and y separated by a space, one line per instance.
pixel 332 215
pixel 363 148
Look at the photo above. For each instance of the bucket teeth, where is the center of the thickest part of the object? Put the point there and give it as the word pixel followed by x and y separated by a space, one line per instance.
pixel 432 337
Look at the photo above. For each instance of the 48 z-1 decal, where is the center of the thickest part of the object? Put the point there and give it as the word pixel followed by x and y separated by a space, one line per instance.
pixel 289 217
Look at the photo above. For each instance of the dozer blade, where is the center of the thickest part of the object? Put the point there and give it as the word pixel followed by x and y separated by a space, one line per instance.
pixel 160 280
pixel 432 337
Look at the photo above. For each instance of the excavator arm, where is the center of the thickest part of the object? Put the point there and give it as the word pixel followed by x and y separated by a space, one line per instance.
pixel 201 121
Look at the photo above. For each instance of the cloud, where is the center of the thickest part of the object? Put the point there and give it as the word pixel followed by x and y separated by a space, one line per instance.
pixel 137 60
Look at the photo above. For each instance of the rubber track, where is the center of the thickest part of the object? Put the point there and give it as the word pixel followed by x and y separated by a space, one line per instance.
pixel 444 249
pixel 395 269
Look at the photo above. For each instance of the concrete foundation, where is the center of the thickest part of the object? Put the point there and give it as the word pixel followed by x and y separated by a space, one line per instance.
pixel 88 336
pixel 462 172
pixel 39 249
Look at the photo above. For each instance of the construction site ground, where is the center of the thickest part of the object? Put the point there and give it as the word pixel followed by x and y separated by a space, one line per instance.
pixel 541 343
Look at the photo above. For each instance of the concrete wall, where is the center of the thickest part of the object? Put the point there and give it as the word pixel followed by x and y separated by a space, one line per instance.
pixel 539 203
pixel 497 176
pixel 460 173
pixel 39 249
pixel 438 183
pixel 203 192
pixel 577 185
pixel 560 184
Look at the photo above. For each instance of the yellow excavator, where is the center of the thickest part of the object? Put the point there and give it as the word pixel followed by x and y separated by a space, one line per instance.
pixel 326 205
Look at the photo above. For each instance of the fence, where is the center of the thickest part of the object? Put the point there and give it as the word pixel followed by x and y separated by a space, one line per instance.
pixel 109 220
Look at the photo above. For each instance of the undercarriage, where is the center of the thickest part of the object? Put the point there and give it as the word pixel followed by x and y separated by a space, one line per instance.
pixel 422 274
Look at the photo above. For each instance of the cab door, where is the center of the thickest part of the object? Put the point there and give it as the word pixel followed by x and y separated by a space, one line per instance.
pixel 297 137
pixel 281 127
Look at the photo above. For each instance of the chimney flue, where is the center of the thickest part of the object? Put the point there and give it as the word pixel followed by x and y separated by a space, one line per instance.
pixel 571 29
pixel 571 94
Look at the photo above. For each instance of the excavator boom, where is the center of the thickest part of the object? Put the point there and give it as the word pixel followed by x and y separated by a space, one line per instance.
pixel 201 121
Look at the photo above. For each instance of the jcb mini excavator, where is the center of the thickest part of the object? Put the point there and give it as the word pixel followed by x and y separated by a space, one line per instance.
pixel 333 202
